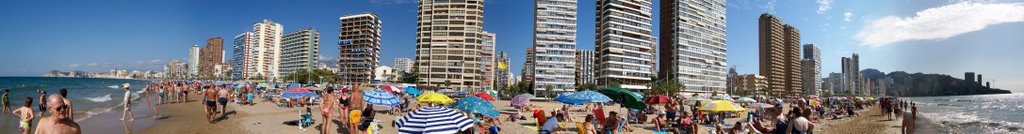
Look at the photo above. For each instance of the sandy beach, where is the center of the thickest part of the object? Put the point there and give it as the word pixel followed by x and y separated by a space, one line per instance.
pixel 178 118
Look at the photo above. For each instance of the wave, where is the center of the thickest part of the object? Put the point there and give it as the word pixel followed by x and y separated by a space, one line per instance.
pixel 114 86
pixel 961 122
pixel 104 98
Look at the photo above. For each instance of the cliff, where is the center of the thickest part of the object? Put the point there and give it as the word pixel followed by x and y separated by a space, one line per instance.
pixel 919 84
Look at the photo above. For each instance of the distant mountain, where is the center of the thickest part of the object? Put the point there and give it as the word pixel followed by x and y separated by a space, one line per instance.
pixel 872 73
pixel 919 84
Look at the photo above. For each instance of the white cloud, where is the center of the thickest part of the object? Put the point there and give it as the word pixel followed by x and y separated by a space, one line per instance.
pixel 824 6
pixel 74 65
pixel 93 64
pixel 939 22
pixel 769 6
pixel 847 15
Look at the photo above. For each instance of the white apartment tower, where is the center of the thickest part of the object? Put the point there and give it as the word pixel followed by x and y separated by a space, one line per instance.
pixel 299 51
pixel 193 61
pixel 625 45
pixel 692 45
pixel 449 43
pixel 403 64
pixel 359 48
pixel 554 44
pixel 266 40
pixel 487 53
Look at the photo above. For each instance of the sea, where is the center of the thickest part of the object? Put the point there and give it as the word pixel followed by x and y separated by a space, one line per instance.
pixel 994 114
pixel 90 96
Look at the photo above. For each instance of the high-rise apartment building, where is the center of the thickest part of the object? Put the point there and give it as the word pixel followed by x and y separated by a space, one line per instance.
pixel 527 71
pixel 403 64
pixel 211 56
pixel 359 48
pixel 811 70
pixel 554 44
pixel 851 75
pixel 244 56
pixel 266 39
pixel 625 46
pixel 300 51
pixel 693 48
pixel 585 67
pixel 193 61
pixel 449 43
pixel 749 84
pixel 502 72
pixel 779 54
pixel 487 54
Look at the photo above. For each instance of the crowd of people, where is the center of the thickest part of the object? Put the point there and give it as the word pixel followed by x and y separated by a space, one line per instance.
pixel 55 113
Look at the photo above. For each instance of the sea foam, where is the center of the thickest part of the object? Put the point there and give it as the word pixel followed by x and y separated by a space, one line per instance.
pixel 103 98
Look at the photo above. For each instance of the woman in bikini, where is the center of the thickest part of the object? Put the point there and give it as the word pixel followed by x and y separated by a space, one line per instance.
pixel 26 115
pixel 326 107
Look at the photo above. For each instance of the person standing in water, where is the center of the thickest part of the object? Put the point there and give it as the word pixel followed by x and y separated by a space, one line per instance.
pixel 128 105
pixel 6 103
pixel 57 123
pixel 26 115
pixel 42 102
pixel 70 110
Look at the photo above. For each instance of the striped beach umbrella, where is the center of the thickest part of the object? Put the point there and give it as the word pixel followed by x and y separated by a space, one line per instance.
pixel 433 120
pixel 380 98
pixel 521 100
pixel 391 88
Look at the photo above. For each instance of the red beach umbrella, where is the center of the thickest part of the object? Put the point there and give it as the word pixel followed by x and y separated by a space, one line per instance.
pixel 484 96
pixel 657 99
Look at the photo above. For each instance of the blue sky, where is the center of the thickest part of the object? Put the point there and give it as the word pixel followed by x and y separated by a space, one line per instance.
pixel 948 37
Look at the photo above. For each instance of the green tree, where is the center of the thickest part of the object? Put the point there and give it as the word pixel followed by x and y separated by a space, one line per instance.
pixel 614 85
pixel 311 76
pixel 664 87
pixel 447 84
pixel 412 78
pixel 547 90
pixel 714 93
pixel 588 86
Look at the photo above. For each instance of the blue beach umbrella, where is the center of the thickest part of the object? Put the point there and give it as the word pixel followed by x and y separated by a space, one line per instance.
pixel 298 93
pixel 433 120
pixel 473 104
pixel 589 96
pixel 413 91
pixel 294 85
pixel 380 98
pixel 564 98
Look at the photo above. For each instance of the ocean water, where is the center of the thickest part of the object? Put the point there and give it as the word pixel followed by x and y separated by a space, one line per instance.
pixel 90 96
pixel 1000 114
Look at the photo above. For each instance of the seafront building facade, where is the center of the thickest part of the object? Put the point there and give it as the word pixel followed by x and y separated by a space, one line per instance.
pixel 359 48
pixel 267 39
pixel 403 64
pixel 449 43
pixel 811 70
pixel 527 71
pixel 210 57
pixel 502 72
pixel 585 67
pixel 244 56
pixel 624 44
pixel 693 44
pixel 851 83
pixel 749 84
pixel 779 54
pixel 193 61
pixel 487 53
pixel 554 44
pixel 300 51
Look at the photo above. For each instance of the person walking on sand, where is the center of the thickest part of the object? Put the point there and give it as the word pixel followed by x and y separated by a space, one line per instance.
pixel 25 115
pixel 222 98
pixel 70 110
pixel 208 96
pixel 57 123
pixel 127 105
pixel 326 108
pixel 6 104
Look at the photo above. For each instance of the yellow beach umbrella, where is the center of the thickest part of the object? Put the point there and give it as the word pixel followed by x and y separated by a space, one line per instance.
pixel 434 98
pixel 722 106
pixel 813 102
pixel 870 99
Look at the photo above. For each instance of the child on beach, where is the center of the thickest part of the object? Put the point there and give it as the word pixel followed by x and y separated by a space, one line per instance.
pixel 25 114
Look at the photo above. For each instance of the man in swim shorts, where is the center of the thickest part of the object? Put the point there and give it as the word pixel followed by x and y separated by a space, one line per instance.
pixel 222 95
pixel 208 97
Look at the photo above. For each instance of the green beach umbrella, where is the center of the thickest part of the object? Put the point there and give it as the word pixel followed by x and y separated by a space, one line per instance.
pixel 624 97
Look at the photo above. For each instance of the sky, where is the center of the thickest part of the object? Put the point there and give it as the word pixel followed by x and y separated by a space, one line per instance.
pixel 945 37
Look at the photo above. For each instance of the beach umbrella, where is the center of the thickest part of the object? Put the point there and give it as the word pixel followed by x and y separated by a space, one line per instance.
pixel 812 102
pixel 721 106
pixel 264 85
pixel 484 96
pixel 811 97
pixel 870 99
pixel 589 96
pixel 473 104
pixel 521 100
pixel 657 99
pixel 294 85
pixel 239 86
pixel 721 97
pixel 564 98
pixel 694 100
pixel 380 98
pixel 434 98
pixel 746 100
pixel 624 97
pixel 492 92
pixel 760 105
pixel 413 91
pixel 298 93
pixel 432 120
pixel 391 88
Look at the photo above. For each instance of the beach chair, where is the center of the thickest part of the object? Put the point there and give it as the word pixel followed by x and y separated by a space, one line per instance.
pixel 306 121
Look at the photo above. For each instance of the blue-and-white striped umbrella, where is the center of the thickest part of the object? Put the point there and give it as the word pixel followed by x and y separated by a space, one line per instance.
pixel 589 96
pixel 380 98
pixel 433 120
